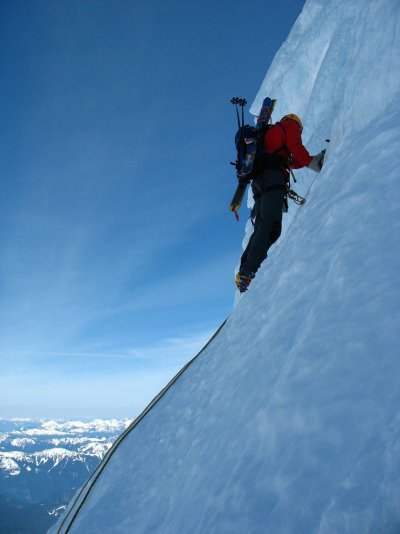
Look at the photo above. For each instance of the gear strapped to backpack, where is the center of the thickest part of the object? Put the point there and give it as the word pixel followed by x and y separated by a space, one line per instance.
pixel 249 139
pixel 252 158
pixel 249 143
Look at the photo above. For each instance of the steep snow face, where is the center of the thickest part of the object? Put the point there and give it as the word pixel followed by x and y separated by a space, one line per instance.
pixel 289 421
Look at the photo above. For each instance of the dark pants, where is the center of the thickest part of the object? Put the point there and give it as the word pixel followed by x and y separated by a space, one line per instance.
pixel 267 211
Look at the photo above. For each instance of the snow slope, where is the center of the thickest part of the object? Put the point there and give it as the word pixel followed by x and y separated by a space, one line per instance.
pixel 289 421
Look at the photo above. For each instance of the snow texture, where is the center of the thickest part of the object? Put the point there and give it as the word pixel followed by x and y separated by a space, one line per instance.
pixel 289 421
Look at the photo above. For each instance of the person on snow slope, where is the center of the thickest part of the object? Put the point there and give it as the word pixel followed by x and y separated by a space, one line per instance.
pixel 284 150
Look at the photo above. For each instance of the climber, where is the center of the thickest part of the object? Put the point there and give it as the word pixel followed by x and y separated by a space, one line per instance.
pixel 284 151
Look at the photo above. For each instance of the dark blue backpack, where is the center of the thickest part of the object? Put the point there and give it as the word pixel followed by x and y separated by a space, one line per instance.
pixel 249 142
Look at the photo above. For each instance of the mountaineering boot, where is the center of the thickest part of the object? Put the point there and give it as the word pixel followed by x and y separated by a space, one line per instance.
pixel 243 280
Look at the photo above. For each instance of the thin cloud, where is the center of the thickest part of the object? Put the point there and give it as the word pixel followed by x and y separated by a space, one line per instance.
pixel 163 349
pixel 120 391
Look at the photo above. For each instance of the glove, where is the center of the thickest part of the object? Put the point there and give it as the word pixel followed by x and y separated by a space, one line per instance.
pixel 317 162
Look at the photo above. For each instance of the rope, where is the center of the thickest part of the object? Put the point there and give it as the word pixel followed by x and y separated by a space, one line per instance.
pixel 100 468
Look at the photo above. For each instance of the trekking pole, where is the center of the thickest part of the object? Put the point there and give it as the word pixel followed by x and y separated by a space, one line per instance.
pixel 235 101
pixel 241 188
pixel 241 102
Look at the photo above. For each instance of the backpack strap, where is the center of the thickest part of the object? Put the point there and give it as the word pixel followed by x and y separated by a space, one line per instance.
pixel 270 160
pixel 284 134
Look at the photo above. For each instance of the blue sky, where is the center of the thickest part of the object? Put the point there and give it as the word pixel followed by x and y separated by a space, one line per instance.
pixel 117 248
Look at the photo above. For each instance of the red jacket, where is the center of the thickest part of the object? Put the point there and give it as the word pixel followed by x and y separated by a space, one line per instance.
pixel 287 134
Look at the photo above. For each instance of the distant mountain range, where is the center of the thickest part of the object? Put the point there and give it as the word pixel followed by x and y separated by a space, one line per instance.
pixel 43 463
